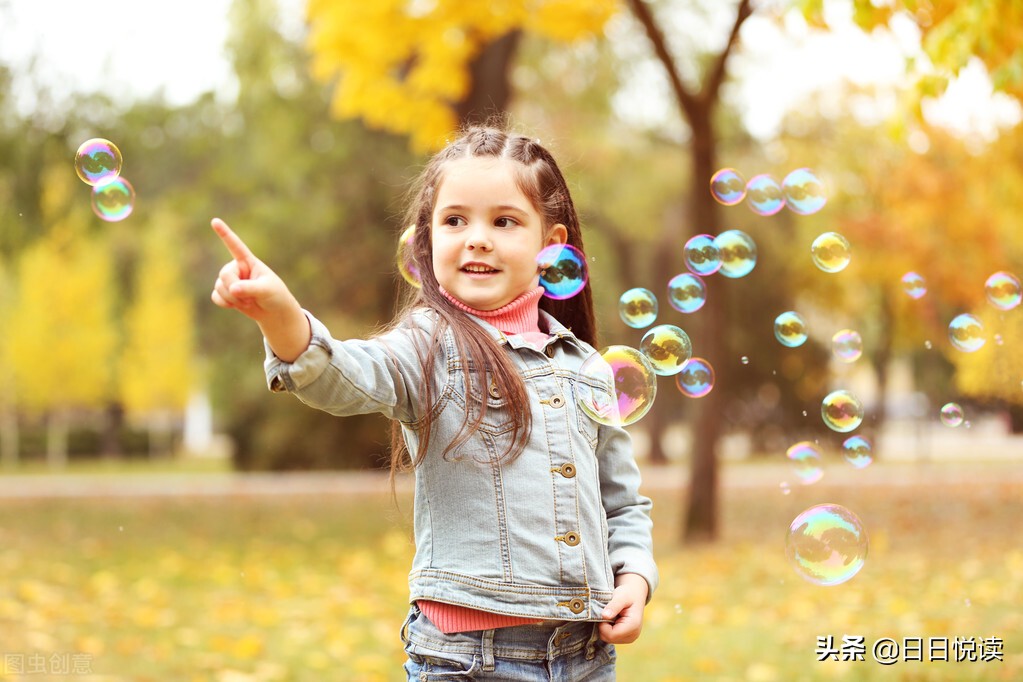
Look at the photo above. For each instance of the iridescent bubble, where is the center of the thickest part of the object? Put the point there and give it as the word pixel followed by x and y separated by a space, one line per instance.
pixel 806 459
pixel 952 414
pixel 744 359
pixel 738 253
pixel 764 195
pixel 847 345
pixel 804 192
pixel 686 293
pixel 563 271
pixel 841 411
pixel 858 451
pixel 668 349
pixel 1003 290
pixel 831 252
pixel 790 329
pixel 696 379
pixel 966 333
pixel 638 307
pixel 406 266
pixel 914 285
pixel 826 544
pixel 701 255
pixel 728 187
pixel 98 162
pixel 616 386
pixel 113 201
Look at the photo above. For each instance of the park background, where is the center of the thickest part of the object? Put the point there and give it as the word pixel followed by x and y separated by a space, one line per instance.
pixel 163 516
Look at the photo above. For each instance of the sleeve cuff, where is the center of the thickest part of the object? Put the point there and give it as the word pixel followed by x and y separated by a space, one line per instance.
pixel 284 376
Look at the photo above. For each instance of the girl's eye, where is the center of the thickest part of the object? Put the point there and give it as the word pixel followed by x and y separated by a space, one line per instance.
pixel 454 221
pixel 505 222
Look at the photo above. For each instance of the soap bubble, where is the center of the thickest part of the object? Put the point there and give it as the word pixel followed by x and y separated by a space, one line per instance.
pixel 841 411
pixel 616 386
pixel 804 192
pixel 638 307
pixel 701 255
pixel 668 349
pixel 790 329
pixel 686 293
pixel 858 451
pixel 744 359
pixel 914 285
pixel 738 253
pixel 728 187
pixel 406 266
pixel 696 379
pixel 113 201
pixel 831 252
pixel 847 345
pixel 764 195
pixel 98 162
pixel 1003 290
pixel 952 414
pixel 806 459
pixel 966 333
pixel 826 544
pixel 563 271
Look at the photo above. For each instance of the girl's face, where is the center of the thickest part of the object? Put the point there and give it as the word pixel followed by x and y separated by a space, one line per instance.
pixel 487 233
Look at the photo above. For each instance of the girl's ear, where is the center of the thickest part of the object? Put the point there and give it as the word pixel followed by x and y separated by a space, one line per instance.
pixel 556 235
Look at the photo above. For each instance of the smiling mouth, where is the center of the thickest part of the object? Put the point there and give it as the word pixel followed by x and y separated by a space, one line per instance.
pixel 479 269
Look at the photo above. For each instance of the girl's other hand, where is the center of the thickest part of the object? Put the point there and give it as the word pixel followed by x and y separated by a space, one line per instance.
pixel 625 610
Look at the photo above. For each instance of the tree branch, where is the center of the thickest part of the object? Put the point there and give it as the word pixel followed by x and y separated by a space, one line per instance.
pixel 686 100
pixel 716 76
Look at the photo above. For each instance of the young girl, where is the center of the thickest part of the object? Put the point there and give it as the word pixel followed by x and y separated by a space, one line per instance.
pixel 533 547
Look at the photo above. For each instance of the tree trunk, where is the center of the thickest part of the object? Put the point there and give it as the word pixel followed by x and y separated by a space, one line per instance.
pixel 57 439
pixel 490 91
pixel 9 445
pixel 881 360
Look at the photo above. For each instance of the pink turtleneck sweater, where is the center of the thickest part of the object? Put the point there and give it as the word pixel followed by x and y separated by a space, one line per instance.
pixel 520 317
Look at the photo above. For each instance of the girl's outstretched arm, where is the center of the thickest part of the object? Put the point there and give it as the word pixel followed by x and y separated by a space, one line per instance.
pixel 250 287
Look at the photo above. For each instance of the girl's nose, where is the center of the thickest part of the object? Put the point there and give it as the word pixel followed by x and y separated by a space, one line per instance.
pixel 478 238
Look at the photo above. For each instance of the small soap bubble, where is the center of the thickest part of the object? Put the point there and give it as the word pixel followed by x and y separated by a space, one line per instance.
pixel 841 411
pixel 686 293
pixel 744 359
pixel 831 252
pixel 784 488
pixel 728 186
pixel 928 345
pixel 858 451
pixel 952 414
pixel 406 266
pixel 738 253
pixel 914 285
pixel 696 379
pixel 563 271
pixel 701 255
pixel 966 333
pixel 616 386
pixel 847 345
pixel 638 307
pixel 804 192
pixel 98 162
pixel 806 461
pixel 790 329
pixel 1003 290
pixel 113 201
pixel 668 349
pixel 826 544
pixel 764 195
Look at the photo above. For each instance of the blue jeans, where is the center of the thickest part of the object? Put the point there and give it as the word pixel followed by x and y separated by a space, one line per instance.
pixel 552 651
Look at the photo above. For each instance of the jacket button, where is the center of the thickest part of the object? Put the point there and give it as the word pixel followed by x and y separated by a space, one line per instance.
pixel 277 385
pixel 557 401
pixel 494 393
pixel 568 470
pixel 549 351
pixel 576 605
pixel 571 538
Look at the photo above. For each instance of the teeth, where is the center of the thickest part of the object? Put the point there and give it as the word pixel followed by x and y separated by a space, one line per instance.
pixel 478 268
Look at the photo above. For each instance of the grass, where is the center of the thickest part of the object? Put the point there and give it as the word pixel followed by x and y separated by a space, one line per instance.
pixel 245 589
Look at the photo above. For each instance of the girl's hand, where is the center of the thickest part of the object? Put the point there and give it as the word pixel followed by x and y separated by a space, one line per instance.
pixel 247 285
pixel 625 609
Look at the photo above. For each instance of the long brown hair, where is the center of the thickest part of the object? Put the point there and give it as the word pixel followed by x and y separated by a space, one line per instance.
pixel 541 181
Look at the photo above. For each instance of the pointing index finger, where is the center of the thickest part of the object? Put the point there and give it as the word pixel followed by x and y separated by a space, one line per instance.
pixel 233 242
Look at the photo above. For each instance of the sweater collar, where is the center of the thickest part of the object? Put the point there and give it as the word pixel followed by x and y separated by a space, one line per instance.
pixel 518 317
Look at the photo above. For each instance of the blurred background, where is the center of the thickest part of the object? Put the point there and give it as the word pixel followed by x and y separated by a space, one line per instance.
pixel 302 123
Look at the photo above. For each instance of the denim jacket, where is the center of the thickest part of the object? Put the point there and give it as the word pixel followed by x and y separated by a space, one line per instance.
pixel 540 536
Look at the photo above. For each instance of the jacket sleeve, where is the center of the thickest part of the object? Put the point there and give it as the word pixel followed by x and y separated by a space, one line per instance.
pixel 630 543
pixel 352 377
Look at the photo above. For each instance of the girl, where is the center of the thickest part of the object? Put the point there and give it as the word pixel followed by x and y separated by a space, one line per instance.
pixel 533 547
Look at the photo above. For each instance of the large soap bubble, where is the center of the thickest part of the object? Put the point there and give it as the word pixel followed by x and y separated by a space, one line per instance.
pixel 616 386
pixel 826 544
